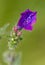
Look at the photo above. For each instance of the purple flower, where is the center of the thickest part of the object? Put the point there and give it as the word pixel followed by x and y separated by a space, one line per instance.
pixel 27 19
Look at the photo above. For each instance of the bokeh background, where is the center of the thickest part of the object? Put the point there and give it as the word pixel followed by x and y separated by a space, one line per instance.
pixel 33 44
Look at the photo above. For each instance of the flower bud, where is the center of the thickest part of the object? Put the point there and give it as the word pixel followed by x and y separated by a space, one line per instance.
pixel 19 33
pixel 15 29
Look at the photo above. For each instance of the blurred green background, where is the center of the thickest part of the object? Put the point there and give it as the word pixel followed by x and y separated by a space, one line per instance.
pixel 33 44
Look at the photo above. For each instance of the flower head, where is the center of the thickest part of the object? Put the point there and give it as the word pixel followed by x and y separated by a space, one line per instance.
pixel 27 19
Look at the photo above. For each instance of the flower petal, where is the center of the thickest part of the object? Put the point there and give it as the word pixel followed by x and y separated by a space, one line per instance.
pixel 27 19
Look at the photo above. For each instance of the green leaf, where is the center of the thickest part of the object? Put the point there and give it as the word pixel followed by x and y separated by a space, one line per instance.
pixel 18 59
pixel 3 29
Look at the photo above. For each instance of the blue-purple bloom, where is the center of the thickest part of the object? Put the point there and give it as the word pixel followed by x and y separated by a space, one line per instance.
pixel 27 19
